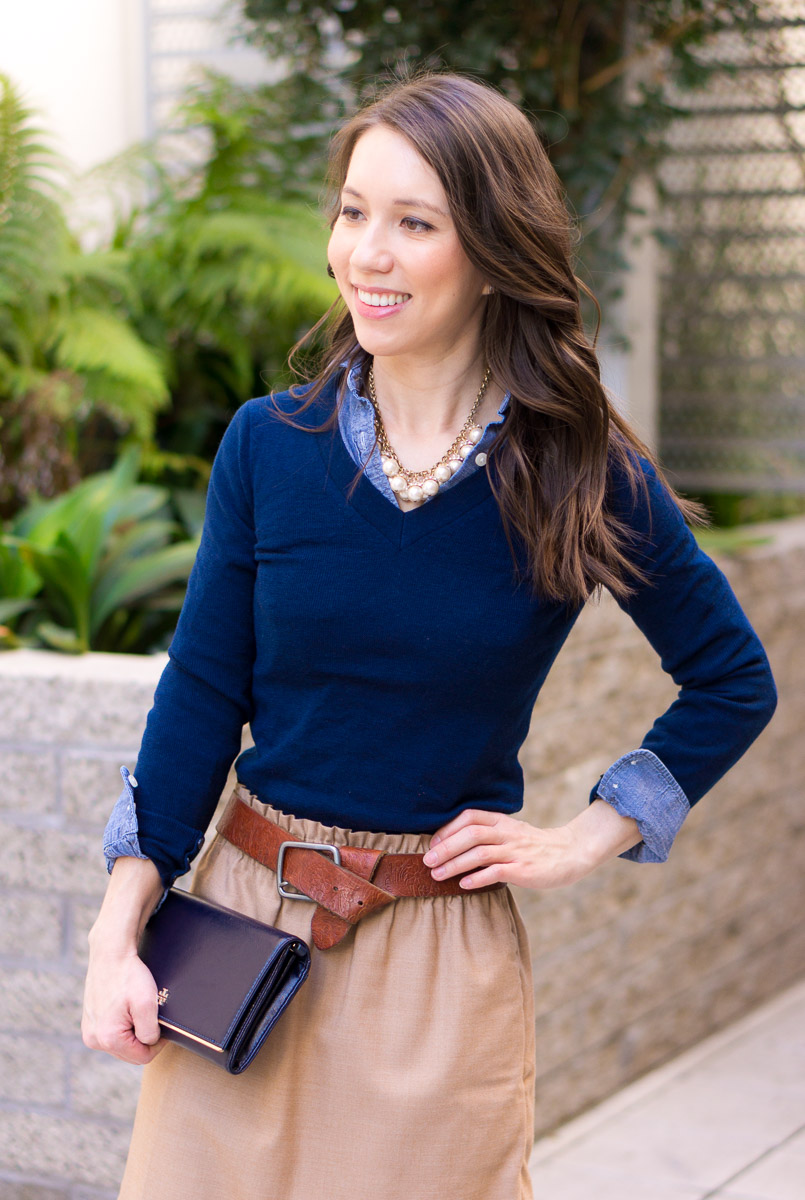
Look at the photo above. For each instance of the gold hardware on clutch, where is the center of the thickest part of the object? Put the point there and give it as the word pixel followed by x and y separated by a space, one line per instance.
pixel 193 1036
pixel 162 996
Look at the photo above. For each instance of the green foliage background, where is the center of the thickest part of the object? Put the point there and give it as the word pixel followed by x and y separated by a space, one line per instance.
pixel 593 76
pixel 212 270
pixel 214 267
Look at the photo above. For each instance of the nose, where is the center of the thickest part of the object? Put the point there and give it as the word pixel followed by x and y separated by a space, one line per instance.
pixel 371 252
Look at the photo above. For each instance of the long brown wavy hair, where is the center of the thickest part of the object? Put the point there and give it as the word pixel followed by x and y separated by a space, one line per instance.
pixel 562 439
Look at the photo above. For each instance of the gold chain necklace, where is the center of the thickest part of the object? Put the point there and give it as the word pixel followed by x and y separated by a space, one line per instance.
pixel 417 486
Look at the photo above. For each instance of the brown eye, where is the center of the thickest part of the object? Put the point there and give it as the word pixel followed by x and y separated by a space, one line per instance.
pixel 416 225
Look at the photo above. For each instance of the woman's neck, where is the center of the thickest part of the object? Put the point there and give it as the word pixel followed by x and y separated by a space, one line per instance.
pixel 423 402
pixel 423 416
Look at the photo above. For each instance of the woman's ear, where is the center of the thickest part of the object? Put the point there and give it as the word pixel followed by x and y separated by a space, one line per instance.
pixel 488 290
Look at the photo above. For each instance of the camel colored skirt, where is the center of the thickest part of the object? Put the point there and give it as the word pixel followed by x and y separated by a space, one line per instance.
pixel 403 1069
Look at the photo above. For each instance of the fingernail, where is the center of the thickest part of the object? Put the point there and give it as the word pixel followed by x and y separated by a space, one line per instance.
pixel 429 859
pixel 434 841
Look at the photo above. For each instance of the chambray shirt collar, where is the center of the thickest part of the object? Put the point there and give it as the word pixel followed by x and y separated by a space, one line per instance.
pixel 356 420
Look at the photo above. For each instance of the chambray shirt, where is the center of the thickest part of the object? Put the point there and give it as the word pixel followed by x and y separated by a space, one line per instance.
pixel 637 785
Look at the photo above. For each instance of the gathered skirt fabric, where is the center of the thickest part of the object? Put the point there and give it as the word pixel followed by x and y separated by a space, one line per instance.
pixel 403 1069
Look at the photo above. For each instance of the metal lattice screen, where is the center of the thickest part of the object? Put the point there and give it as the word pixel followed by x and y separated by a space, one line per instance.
pixel 732 380
pixel 181 37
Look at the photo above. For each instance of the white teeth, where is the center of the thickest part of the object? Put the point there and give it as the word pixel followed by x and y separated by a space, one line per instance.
pixel 383 299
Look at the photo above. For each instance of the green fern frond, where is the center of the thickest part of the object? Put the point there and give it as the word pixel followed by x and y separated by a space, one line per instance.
pixel 28 166
pixel 254 257
pixel 33 231
pixel 101 275
pixel 122 372
pixel 156 462
pixel 131 409
pixel 20 150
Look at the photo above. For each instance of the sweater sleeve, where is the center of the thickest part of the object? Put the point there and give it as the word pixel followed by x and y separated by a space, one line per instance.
pixel 204 697
pixel 688 612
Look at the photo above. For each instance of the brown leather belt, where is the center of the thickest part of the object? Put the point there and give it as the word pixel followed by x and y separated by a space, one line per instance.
pixel 357 881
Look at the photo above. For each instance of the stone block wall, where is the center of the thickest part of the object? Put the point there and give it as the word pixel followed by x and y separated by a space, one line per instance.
pixel 66 724
pixel 631 965
pixel 639 961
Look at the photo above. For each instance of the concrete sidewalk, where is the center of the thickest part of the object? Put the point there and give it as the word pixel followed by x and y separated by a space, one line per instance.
pixel 724 1120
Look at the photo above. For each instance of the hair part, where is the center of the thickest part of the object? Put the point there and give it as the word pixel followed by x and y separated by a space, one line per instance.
pixel 551 466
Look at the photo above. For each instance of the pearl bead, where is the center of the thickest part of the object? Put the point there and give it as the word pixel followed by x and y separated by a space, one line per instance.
pixel 397 483
pixel 475 434
pixel 415 494
pixel 466 450
pixel 431 486
pixel 480 459
pixel 390 466
pixel 442 473
pixel 454 465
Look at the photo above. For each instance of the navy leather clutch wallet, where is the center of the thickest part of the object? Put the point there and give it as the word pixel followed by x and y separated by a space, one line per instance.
pixel 223 979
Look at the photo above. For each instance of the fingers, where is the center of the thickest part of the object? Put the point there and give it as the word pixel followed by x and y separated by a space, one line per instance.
pixel 128 1048
pixel 120 1011
pixel 470 816
pixel 497 873
pixel 144 1019
pixel 470 860
pixel 472 846
pixel 119 1041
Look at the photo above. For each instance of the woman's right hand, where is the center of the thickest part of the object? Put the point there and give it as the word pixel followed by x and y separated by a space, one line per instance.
pixel 120 995
pixel 120 1007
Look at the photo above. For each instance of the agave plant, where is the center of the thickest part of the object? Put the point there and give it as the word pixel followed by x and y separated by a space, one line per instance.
pixel 19 586
pixel 98 568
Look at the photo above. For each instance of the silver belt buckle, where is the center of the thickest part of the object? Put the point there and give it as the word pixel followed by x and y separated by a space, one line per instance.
pixel 282 884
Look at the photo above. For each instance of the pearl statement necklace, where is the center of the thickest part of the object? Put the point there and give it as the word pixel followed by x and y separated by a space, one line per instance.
pixel 417 486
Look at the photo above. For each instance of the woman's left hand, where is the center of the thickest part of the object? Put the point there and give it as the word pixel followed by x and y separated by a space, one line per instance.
pixel 498 848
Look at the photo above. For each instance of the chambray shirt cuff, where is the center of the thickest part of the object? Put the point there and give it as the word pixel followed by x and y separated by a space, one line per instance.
pixel 120 838
pixel 121 834
pixel 639 785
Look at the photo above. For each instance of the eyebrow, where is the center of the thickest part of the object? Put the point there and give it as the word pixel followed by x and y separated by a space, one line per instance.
pixel 403 203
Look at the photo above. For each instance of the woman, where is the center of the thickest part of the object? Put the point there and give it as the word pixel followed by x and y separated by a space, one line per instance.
pixel 392 558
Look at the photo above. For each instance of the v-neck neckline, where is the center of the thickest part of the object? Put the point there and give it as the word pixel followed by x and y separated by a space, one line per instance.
pixel 401 528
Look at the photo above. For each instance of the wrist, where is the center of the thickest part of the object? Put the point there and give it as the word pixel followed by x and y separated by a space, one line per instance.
pixel 134 890
pixel 600 833
pixel 109 942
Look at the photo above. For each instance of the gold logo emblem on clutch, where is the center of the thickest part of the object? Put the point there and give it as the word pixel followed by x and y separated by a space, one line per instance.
pixel 162 996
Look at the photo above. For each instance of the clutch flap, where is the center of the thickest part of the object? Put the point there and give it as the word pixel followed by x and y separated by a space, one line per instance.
pixel 208 963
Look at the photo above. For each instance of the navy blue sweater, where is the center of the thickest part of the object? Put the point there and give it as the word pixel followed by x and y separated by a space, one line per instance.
pixel 387 661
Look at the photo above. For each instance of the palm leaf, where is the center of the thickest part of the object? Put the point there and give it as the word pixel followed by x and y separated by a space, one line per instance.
pixel 9 609
pixel 17 579
pixel 142 577
pixel 89 511
pixel 137 540
pixel 60 638
pixel 66 583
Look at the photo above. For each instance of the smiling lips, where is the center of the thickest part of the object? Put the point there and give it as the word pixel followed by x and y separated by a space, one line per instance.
pixel 382 299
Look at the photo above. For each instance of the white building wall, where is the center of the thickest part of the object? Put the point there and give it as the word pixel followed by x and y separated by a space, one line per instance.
pixel 82 65
pixel 105 74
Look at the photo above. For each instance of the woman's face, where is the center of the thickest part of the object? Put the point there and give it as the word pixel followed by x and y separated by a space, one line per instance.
pixel 409 286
